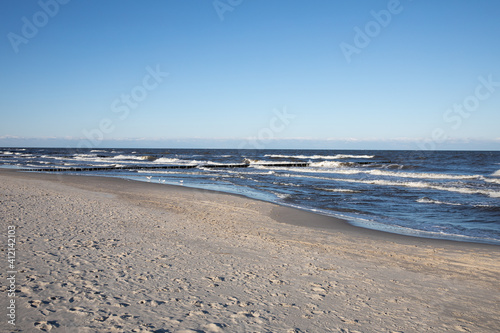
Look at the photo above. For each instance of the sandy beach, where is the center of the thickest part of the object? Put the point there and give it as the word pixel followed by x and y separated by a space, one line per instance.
pixel 97 254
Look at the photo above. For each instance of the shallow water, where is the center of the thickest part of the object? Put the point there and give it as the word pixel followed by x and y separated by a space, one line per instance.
pixel 439 194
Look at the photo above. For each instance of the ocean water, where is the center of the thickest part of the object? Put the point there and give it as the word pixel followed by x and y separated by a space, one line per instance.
pixel 435 194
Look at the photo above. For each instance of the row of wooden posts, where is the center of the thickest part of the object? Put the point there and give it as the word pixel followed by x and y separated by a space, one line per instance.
pixel 137 167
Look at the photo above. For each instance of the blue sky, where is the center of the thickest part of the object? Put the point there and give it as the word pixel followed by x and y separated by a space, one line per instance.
pixel 280 74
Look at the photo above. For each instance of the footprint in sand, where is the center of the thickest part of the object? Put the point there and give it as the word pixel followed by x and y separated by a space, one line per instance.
pixel 46 325
pixel 36 303
pixel 81 311
pixel 151 303
pixel 214 328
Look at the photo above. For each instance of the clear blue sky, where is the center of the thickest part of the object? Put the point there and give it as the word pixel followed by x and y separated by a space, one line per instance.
pixel 428 75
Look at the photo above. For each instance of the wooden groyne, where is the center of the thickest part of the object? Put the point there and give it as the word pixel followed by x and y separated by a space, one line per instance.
pixel 164 167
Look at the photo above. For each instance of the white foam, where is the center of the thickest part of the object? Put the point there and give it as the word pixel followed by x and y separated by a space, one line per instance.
pixel 422 175
pixel 170 172
pixel 168 160
pixel 129 157
pixel 261 164
pixel 419 184
pixel 84 157
pixel 489 180
pixel 496 173
pixel 287 184
pixel 427 200
pixel 339 190
pixel 353 156
pixel 464 190
pixel 326 164
pixel 282 195
pixel 324 157
pixel 336 167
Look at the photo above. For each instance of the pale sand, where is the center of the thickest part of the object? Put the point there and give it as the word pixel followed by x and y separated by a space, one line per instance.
pixel 110 255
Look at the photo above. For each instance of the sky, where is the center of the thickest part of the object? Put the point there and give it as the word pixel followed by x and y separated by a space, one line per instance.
pixel 253 74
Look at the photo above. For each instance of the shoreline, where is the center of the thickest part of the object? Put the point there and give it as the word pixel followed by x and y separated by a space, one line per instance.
pixel 316 220
pixel 100 254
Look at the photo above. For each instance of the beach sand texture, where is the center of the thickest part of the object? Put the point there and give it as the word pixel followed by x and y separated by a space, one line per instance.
pixel 99 254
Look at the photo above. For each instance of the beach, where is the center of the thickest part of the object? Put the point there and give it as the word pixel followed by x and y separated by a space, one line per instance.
pixel 97 254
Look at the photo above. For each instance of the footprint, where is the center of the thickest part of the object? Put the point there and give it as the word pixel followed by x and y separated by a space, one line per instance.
pixel 216 278
pixel 101 319
pixel 317 296
pixel 150 302
pixel 35 303
pixel 81 311
pixel 46 325
pixel 214 327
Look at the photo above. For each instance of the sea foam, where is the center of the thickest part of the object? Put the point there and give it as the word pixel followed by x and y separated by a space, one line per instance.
pixel 317 157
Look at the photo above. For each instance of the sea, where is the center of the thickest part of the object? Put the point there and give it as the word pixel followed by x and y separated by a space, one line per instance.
pixel 453 195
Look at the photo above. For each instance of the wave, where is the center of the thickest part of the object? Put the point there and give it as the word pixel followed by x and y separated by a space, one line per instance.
pixel 353 156
pixel 496 173
pixel 170 172
pixel 380 182
pixel 489 180
pixel 286 184
pixel 427 200
pixel 326 164
pixel 423 175
pixel 167 160
pixel 149 158
pixel 338 190
pixel 337 168
pixel 258 164
pixel 132 157
pixel 80 156
pixel 282 195
pixel 317 157
pixel 464 190
pixel 128 158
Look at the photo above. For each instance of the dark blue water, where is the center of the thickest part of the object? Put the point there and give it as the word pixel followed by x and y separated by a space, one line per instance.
pixel 439 194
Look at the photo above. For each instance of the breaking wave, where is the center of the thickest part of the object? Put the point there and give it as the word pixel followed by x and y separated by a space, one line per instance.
pixel 338 168
pixel 317 157
pixel 420 184
pixel 427 200
pixel 338 190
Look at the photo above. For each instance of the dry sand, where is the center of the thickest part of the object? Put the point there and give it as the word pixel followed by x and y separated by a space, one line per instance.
pixel 110 255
